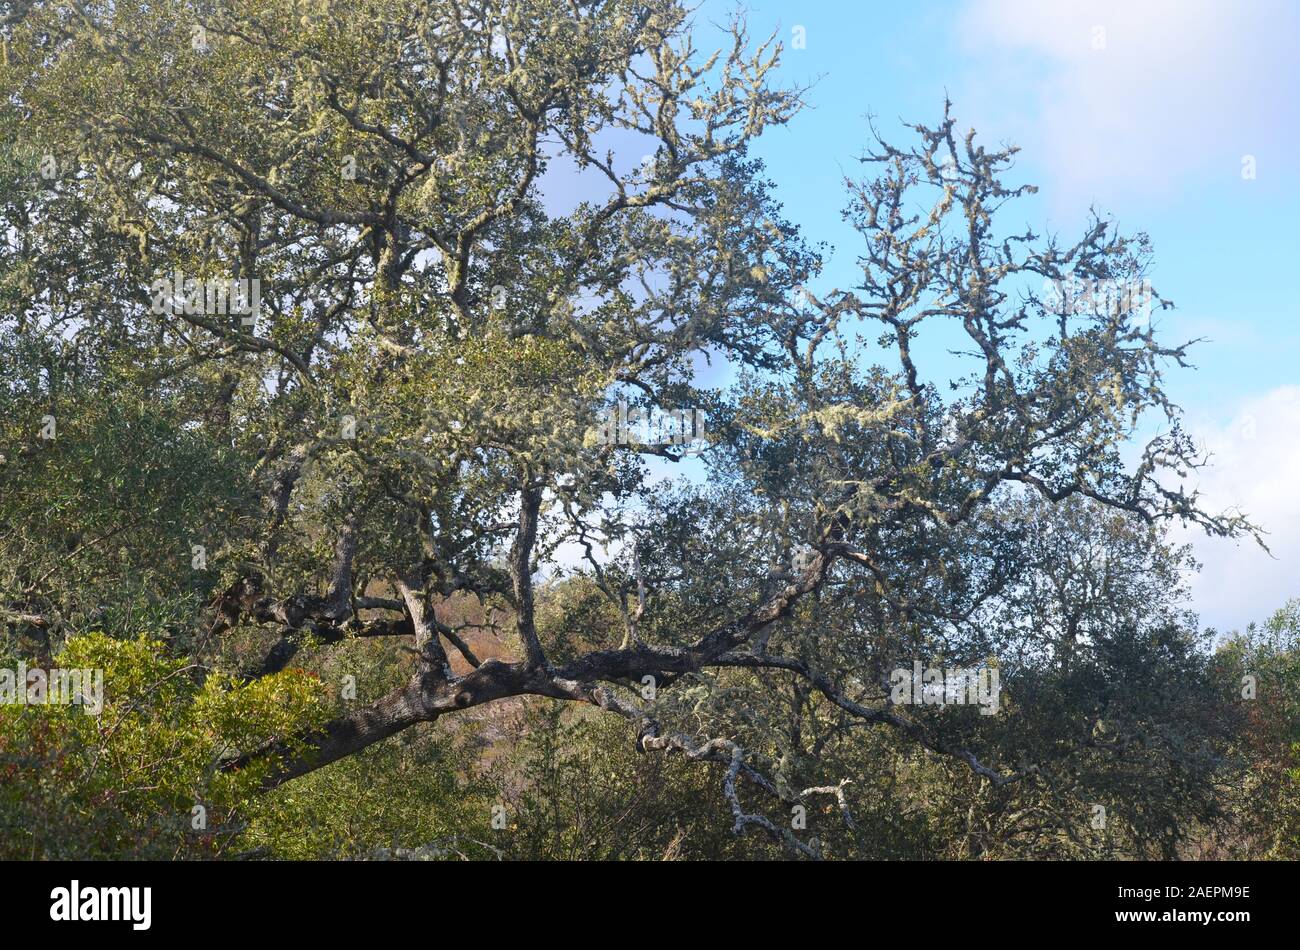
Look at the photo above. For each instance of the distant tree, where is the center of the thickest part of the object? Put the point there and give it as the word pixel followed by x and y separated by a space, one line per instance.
pixel 1113 731
pixel 1261 667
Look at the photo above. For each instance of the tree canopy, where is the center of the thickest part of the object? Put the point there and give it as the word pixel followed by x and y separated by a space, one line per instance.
pixel 291 520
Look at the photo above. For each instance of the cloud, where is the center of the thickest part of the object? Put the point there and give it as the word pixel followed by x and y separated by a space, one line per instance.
pixel 1122 97
pixel 1255 466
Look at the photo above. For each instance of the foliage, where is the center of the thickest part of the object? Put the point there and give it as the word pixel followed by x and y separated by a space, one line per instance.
pixel 399 475
pixel 127 780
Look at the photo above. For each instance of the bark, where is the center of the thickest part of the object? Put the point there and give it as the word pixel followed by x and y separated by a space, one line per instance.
pixel 434 692
pixel 344 736
pixel 521 570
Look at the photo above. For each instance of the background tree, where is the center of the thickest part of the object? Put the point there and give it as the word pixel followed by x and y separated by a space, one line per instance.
pixel 1260 667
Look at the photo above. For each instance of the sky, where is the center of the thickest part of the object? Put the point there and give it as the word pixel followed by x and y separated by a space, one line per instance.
pixel 1180 119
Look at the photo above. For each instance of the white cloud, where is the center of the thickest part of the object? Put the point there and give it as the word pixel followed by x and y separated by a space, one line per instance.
pixel 1122 97
pixel 1255 467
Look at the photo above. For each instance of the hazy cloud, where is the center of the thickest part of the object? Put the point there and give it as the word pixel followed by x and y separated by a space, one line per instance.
pixel 1136 96
pixel 1256 458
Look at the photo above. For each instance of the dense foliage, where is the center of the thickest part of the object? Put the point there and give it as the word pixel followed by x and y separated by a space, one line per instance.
pixel 370 573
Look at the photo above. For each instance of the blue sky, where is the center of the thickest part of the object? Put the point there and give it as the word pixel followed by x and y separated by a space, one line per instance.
pixel 1145 109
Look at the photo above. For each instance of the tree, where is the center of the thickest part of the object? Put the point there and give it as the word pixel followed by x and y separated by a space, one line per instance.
pixel 1260 667
pixel 419 409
